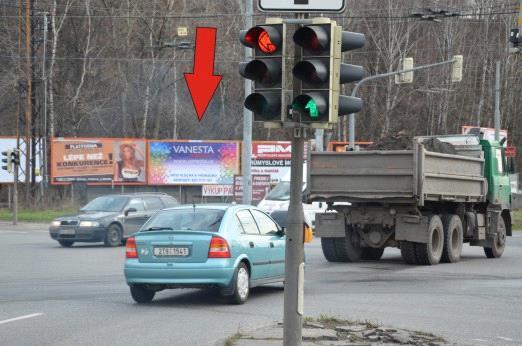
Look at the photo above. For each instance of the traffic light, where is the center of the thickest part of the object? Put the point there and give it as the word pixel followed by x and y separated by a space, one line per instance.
pixel 15 157
pixel 7 158
pixel 322 72
pixel 266 69
pixel 514 37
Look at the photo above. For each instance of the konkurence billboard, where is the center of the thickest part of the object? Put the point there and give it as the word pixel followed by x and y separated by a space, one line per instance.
pixel 98 160
pixel 193 162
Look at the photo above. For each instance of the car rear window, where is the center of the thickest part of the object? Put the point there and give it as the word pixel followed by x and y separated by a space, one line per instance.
pixel 190 219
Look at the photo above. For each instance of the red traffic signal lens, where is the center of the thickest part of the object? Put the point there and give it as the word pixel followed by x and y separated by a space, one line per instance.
pixel 259 38
pixel 265 43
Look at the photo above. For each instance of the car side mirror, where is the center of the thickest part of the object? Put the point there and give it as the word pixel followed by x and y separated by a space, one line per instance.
pixel 282 231
pixel 130 210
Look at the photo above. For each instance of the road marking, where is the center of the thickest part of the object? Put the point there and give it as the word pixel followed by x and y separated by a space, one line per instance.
pixel 16 232
pixel 504 338
pixel 480 340
pixel 21 318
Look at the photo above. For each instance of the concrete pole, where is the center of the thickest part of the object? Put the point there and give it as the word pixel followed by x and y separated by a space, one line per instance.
pixel 497 103
pixel 247 119
pixel 45 175
pixel 294 251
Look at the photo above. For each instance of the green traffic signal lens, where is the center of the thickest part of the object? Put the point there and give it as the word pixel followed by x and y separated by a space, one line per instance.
pixel 307 105
pixel 311 108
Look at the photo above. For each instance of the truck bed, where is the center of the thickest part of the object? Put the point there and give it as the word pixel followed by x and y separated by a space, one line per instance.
pixel 409 176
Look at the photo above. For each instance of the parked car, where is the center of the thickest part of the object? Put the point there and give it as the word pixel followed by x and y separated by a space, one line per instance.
pixel 229 247
pixel 281 217
pixel 110 219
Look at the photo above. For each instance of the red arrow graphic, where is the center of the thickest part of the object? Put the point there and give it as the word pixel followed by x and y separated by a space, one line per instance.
pixel 202 82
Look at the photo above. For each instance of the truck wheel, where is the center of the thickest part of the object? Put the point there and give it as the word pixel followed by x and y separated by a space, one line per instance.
pixel 372 254
pixel 453 238
pixel 408 252
pixel 345 248
pixel 328 246
pixel 499 242
pixel 431 252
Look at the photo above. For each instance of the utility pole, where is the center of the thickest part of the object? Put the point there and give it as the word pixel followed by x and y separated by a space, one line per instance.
pixel 247 120
pixel 29 96
pixel 44 78
pixel 497 102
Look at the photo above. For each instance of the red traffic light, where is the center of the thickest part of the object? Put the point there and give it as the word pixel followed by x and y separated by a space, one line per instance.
pixel 265 38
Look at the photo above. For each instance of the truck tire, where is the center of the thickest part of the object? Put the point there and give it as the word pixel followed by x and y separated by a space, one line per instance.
pixel 372 254
pixel 431 252
pixel 408 252
pixel 499 242
pixel 346 250
pixel 329 252
pixel 453 238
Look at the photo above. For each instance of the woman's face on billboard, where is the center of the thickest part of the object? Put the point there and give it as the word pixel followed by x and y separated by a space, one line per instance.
pixel 127 153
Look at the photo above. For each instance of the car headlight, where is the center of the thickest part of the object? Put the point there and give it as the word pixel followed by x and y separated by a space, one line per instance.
pixel 89 224
pixel 56 223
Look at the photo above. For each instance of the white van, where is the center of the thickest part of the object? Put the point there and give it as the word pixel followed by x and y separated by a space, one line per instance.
pixel 279 198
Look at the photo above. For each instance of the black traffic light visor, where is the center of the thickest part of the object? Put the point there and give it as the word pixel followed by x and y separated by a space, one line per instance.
pixel 313 38
pixel 312 71
pixel 266 39
pixel 265 104
pixel 266 72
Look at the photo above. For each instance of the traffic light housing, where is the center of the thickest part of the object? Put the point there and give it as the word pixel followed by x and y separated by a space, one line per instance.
pixel 15 157
pixel 266 70
pixel 322 72
pixel 7 158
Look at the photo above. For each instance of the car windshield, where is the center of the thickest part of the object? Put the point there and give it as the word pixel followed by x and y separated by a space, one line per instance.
pixel 281 192
pixel 190 219
pixel 106 203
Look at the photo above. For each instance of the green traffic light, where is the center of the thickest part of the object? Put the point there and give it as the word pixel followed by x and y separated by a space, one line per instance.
pixel 310 108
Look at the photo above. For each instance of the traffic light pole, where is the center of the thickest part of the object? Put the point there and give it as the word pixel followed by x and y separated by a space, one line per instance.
pixel 15 194
pixel 351 129
pixel 294 254
pixel 247 121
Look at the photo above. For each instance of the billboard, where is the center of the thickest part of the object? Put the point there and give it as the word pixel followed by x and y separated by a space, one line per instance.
pixel 193 162
pixel 98 160
pixel 260 187
pixel 8 143
pixel 273 158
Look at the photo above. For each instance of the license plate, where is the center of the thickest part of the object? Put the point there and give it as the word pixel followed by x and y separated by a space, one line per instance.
pixel 67 231
pixel 171 251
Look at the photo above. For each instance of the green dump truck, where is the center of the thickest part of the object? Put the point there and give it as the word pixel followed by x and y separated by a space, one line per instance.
pixel 424 202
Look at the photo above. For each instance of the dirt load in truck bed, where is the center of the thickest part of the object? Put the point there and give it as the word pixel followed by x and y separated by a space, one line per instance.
pixel 406 143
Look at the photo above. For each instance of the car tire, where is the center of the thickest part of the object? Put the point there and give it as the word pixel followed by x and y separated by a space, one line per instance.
pixel 453 238
pixel 431 252
pixel 141 294
pixel 499 242
pixel 113 236
pixel 66 243
pixel 241 285
pixel 372 254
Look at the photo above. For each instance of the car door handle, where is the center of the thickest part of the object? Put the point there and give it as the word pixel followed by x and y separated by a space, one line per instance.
pixel 251 244
pixel 271 244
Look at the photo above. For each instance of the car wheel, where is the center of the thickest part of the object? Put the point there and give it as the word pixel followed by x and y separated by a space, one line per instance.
pixel 141 294
pixel 66 243
pixel 113 237
pixel 499 242
pixel 241 285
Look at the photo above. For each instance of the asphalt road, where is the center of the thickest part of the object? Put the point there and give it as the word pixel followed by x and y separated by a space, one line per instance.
pixel 78 296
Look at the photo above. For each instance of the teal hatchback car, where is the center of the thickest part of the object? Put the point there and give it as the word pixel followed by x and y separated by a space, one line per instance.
pixel 229 247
